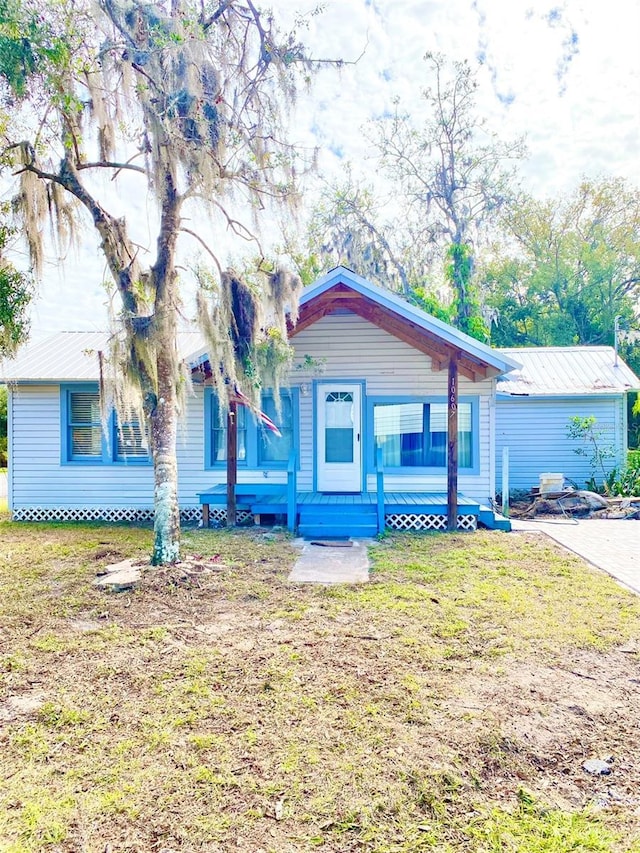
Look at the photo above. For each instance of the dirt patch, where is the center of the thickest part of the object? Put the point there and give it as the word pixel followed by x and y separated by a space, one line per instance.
pixel 548 720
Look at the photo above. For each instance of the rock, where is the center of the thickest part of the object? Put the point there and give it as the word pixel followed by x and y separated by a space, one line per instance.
pixel 593 500
pixel 24 703
pixel 85 625
pixel 597 767
pixel 119 577
pixel 575 504
pixel 543 507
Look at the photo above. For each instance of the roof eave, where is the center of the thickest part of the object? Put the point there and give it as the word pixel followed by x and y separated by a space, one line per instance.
pixel 498 363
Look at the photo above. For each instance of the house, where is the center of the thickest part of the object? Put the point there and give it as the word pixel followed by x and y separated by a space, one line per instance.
pixel 375 385
pixel 535 402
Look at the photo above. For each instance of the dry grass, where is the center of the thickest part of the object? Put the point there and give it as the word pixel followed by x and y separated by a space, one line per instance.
pixel 448 705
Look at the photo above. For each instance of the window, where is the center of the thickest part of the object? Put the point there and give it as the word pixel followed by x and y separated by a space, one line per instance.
pixel 85 440
pixel 339 426
pixel 85 425
pixel 273 448
pixel 131 439
pixel 258 447
pixel 219 432
pixel 414 434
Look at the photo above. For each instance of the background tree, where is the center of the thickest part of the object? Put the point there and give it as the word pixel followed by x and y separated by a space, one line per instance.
pixel 3 426
pixel 186 100
pixel 570 267
pixel 16 293
pixel 350 225
pixel 452 175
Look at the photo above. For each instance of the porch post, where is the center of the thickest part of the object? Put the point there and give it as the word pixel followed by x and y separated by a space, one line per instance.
pixel 232 462
pixel 452 444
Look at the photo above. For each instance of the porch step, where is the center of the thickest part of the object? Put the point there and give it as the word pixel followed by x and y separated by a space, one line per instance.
pixel 330 531
pixel 322 520
pixel 493 520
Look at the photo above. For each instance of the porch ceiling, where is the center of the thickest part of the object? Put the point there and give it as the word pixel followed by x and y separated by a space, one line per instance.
pixel 341 297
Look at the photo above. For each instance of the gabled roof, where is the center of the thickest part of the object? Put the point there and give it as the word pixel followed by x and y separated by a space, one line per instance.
pixel 567 371
pixel 73 357
pixel 341 289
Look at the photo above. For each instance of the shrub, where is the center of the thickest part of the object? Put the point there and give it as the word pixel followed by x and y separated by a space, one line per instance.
pixel 624 483
pixel 633 459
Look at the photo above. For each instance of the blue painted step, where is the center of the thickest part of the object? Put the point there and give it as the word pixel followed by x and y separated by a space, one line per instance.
pixel 493 520
pixel 338 520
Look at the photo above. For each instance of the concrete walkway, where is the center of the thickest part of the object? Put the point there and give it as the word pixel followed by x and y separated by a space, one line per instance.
pixel 326 561
pixel 608 544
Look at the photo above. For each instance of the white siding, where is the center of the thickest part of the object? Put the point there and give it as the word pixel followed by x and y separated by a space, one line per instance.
pixel 39 479
pixel 535 431
pixel 353 349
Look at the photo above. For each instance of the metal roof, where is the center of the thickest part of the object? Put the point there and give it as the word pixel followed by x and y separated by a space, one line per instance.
pixel 570 371
pixel 497 359
pixel 73 356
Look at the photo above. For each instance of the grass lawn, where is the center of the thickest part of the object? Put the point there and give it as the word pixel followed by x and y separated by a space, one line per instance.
pixel 448 705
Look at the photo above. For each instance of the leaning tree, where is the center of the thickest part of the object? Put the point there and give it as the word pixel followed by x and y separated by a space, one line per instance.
pixel 185 98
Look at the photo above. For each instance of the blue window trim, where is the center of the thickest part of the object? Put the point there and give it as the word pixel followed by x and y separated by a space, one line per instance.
pixel 109 442
pixel 252 436
pixel 407 470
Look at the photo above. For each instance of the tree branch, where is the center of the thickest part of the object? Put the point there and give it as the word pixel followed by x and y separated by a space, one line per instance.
pixel 204 246
pixel 217 14
pixel 106 164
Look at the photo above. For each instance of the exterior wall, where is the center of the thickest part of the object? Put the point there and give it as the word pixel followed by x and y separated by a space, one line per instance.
pixel 349 347
pixel 535 431
pixel 38 478
pixel 354 349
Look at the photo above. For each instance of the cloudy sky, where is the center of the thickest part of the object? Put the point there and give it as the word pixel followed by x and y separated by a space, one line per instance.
pixel 566 75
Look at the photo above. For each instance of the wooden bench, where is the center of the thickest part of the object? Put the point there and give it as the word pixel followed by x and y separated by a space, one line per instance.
pixel 246 495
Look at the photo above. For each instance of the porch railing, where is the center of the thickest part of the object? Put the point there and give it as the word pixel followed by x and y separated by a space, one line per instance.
pixel 292 490
pixel 380 489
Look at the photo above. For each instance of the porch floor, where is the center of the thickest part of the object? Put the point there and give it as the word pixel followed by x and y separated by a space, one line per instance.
pixel 355 514
pixel 391 499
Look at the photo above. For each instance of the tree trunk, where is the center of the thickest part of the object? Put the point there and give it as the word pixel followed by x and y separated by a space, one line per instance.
pixel 164 416
pixel 164 429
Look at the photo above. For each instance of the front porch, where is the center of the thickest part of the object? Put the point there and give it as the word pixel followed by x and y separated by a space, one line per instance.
pixel 316 514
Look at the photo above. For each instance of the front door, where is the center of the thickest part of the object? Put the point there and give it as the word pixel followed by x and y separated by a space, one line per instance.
pixel 338 445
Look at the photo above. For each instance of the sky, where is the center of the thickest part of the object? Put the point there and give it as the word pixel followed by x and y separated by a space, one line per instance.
pixel 564 75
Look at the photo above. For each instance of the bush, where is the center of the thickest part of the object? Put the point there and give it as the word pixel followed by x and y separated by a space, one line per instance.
pixel 625 483
pixel 633 459
pixel 3 451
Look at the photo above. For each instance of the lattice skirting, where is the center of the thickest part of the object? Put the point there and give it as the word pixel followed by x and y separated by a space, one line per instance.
pixel 136 515
pixel 218 516
pixel 419 521
pixel 133 514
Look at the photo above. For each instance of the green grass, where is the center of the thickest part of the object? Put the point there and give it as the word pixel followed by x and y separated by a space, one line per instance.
pixel 448 705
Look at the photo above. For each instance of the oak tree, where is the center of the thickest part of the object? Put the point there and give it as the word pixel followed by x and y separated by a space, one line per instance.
pixel 180 102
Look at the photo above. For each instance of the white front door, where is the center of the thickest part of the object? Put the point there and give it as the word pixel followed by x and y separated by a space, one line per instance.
pixel 338 444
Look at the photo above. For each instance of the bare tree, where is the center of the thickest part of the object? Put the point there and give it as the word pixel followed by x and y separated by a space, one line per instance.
pixel 349 227
pixel 186 98
pixel 452 175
